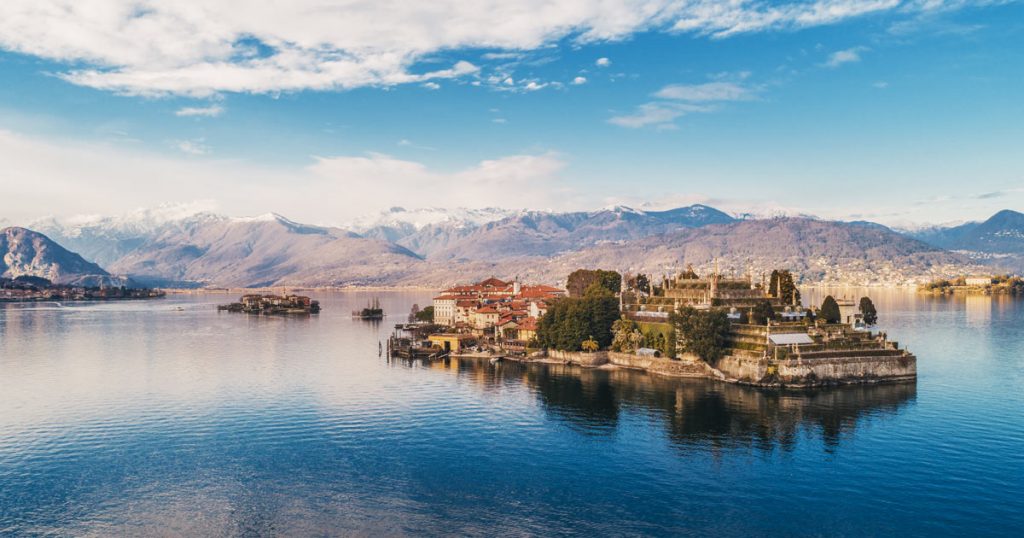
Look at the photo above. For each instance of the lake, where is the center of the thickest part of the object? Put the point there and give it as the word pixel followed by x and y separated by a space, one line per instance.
pixel 168 418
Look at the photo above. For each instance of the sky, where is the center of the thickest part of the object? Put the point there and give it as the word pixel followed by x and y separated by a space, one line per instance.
pixel 904 112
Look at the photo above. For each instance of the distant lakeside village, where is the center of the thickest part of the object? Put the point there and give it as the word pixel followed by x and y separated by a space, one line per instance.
pixel 741 330
pixel 33 288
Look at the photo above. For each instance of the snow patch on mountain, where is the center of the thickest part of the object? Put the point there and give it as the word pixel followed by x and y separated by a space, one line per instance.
pixel 400 217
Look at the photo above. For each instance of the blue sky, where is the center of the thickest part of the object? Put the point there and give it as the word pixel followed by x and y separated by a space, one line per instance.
pixel 900 112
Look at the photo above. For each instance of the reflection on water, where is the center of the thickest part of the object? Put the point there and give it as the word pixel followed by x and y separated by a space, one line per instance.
pixel 169 418
pixel 694 412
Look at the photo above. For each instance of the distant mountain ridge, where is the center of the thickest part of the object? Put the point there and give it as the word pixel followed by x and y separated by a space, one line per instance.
pixel 541 233
pixel 268 250
pixel 442 247
pixel 1002 233
pixel 25 252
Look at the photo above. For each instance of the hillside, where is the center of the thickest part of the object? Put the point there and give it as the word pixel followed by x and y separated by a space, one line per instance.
pixel 1002 233
pixel 24 252
pixel 263 251
pixel 537 233
pixel 816 250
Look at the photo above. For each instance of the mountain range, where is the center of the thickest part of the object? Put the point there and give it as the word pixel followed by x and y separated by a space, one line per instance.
pixel 28 253
pixel 436 247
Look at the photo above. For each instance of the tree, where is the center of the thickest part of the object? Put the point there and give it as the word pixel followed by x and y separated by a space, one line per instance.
pixel 426 315
pixel 571 320
pixel 704 333
pixel 581 279
pixel 782 286
pixel 414 313
pixel 641 282
pixel 623 335
pixel 590 345
pixel 868 311
pixel 830 311
pixel 762 312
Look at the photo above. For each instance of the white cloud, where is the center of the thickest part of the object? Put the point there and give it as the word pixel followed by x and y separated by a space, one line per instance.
pixel 192 147
pixel 603 62
pixel 661 115
pixel 211 111
pixel 579 80
pixel 711 91
pixel 431 85
pixel 533 86
pixel 677 100
pixel 203 47
pixel 840 57
pixel 68 177
pixel 499 120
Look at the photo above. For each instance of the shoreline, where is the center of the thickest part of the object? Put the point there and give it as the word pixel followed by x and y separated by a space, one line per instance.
pixel 801 375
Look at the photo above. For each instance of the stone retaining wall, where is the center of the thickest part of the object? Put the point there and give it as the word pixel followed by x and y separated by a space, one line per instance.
pixel 758 371
pixel 815 372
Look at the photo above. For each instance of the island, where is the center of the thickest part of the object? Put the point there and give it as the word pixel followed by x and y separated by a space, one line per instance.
pixel 737 329
pixel 273 305
pixel 975 285
pixel 373 311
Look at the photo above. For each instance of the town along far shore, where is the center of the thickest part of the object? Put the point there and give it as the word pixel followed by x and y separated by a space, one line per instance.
pixel 33 289
pixel 737 330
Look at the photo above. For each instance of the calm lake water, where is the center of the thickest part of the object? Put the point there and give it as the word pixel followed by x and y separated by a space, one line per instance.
pixel 169 418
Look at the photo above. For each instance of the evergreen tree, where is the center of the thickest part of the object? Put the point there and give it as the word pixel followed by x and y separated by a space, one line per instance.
pixel 571 320
pixel 867 311
pixel 704 333
pixel 426 315
pixel 581 279
pixel 830 310
pixel 783 286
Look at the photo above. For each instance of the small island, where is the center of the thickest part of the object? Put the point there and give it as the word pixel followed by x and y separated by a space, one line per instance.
pixel 373 311
pixel 273 305
pixel 975 285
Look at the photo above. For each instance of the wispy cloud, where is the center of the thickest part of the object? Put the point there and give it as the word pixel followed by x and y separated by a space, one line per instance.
pixel 192 147
pixel 661 115
pixel 211 111
pixel 677 100
pixel 840 57
pixel 711 91
pixel 66 175
pixel 603 62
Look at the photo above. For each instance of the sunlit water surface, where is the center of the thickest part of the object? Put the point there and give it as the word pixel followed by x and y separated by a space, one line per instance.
pixel 169 418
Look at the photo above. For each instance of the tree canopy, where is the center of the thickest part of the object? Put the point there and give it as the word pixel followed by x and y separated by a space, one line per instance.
pixel 868 311
pixel 830 310
pixel 570 321
pixel 782 286
pixel 704 333
pixel 581 279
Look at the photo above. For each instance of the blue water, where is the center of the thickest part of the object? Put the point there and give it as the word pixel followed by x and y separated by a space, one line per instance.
pixel 168 418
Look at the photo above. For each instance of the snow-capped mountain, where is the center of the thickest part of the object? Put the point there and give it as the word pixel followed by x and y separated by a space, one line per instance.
pixel 25 252
pixel 418 218
pixel 106 239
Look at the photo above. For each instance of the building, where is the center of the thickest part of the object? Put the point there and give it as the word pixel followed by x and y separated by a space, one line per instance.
pixel 494 307
pixel 978 281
